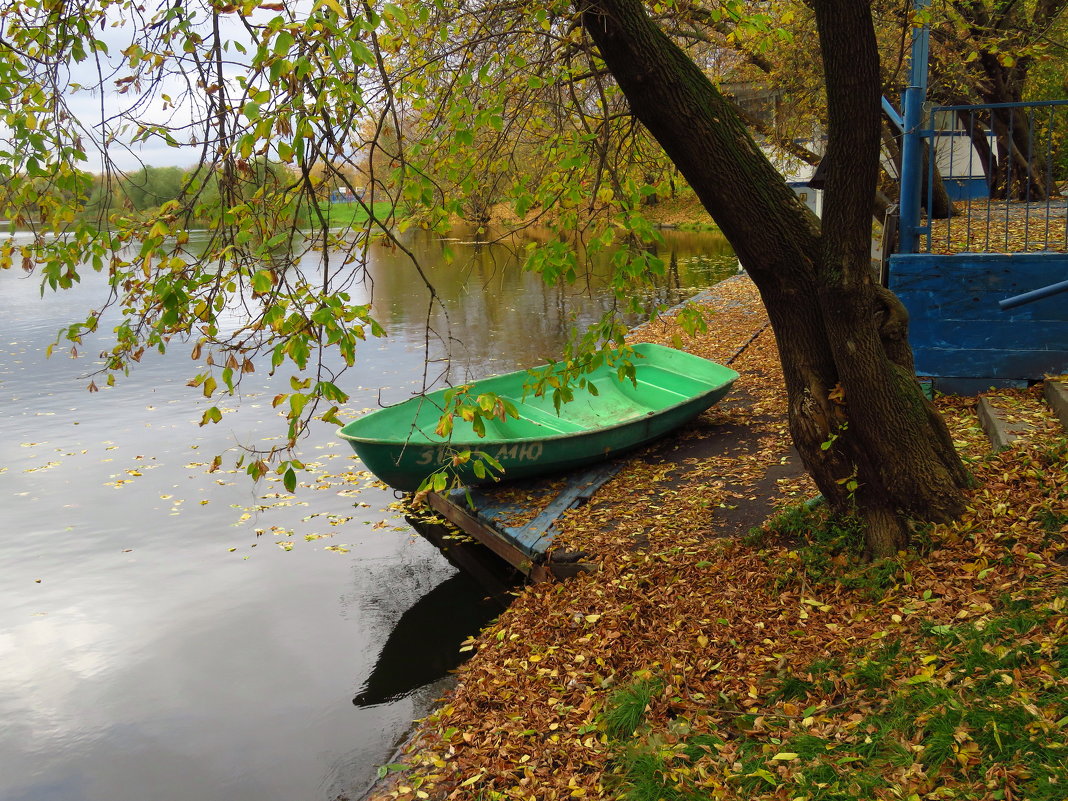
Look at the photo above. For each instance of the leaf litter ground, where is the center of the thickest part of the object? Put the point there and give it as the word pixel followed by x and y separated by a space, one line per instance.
pixel 710 659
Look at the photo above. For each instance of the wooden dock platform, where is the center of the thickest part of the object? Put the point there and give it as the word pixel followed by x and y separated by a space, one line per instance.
pixel 495 517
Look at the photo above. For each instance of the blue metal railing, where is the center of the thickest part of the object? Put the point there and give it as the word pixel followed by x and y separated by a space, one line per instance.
pixel 1005 165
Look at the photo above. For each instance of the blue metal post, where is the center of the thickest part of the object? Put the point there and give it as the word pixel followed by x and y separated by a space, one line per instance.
pixel 912 145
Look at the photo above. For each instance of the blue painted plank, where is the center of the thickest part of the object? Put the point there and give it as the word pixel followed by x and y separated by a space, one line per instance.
pixel 1014 335
pixel 966 188
pixel 961 306
pixel 535 537
pixel 968 272
pixel 979 363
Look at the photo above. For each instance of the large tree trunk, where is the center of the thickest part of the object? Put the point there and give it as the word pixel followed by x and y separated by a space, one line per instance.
pixel 858 418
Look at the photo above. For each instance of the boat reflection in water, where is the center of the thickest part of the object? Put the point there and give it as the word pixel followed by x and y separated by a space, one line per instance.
pixel 424 645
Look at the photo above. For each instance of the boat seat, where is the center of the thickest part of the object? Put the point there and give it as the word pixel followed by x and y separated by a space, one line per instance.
pixel 534 422
pixel 659 389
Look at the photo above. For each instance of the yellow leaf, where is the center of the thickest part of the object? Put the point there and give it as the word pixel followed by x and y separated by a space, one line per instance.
pixel 472 780
pixel 334 6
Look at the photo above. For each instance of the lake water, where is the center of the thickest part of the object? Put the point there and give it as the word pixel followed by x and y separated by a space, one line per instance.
pixel 167 634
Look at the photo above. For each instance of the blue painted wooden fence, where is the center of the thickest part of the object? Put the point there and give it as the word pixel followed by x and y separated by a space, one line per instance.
pixel 979 320
pixel 960 334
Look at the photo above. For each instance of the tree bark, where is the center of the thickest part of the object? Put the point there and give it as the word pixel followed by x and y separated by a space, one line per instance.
pixel 857 416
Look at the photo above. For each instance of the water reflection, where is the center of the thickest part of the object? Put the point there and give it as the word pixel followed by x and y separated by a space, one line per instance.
pixel 157 643
pixel 424 645
pixel 497 317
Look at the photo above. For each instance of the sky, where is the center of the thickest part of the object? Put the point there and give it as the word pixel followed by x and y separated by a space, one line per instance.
pixel 88 104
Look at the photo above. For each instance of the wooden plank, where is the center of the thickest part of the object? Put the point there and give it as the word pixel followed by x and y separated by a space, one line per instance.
pixel 987 335
pixel 487 536
pixel 466 553
pixel 955 304
pixel 524 547
pixel 536 536
pixel 980 363
pixel 976 272
pixel 471 525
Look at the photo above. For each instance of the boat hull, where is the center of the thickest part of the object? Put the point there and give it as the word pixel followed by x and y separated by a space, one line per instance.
pixel 399 446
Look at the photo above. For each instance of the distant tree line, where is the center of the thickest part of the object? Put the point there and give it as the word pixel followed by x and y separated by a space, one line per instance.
pixel 144 192
pixel 147 189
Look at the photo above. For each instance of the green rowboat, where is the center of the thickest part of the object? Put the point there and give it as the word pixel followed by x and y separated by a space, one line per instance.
pixel 399 444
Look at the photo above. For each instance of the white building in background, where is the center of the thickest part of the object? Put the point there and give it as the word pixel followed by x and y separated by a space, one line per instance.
pixel 799 174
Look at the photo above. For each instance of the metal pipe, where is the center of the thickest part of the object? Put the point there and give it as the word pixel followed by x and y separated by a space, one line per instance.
pixel 1033 295
pixel 912 146
pixel 891 112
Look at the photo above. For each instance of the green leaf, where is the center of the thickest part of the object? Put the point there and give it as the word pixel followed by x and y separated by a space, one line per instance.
pixel 212 415
pixel 361 54
pixel 491 461
pixel 263 281
pixel 283 43
pixel 297 402
pixel 765 775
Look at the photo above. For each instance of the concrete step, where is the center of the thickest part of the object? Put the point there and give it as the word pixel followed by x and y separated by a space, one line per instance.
pixel 1001 425
pixel 1056 393
pixel 1009 415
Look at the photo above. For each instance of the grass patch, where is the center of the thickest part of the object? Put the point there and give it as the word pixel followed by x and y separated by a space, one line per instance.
pixel 972 704
pixel 627 706
pixel 826 548
pixel 697 226
pixel 979 708
pixel 342 215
